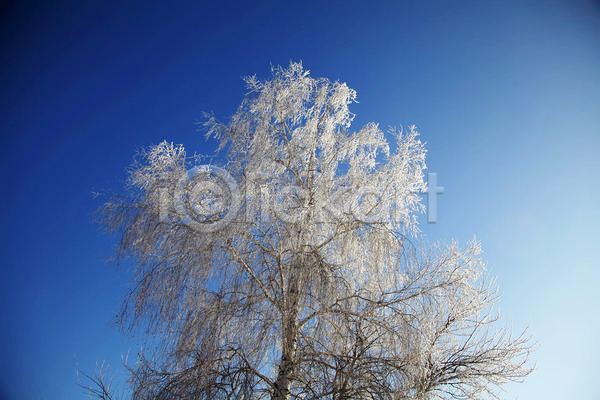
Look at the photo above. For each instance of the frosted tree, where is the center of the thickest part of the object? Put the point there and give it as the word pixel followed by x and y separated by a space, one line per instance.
pixel 293 269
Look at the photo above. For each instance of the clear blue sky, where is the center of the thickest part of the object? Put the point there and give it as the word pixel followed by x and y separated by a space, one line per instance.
pixel 506 94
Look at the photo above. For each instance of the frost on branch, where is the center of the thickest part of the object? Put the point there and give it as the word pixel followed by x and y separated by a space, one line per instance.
pixel 318 286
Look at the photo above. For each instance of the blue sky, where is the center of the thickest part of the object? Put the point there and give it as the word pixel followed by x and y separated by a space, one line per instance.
pixel 506 94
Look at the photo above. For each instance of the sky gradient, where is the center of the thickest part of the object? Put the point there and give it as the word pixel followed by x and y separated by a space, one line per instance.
pixel 505 93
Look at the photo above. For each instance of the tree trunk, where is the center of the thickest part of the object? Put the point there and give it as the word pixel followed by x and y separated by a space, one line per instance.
pixel 290 337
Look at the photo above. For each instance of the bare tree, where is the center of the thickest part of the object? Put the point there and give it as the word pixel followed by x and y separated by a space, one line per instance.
pixel 294 268
pixel 98 385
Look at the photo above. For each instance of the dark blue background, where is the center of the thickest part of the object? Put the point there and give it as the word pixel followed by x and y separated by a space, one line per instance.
pixel 506 93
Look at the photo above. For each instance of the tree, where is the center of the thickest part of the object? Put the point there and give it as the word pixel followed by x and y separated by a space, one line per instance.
pixel 293 269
